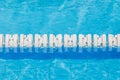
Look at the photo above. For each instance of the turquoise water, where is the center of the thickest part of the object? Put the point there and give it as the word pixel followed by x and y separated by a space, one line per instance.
pixel 60 16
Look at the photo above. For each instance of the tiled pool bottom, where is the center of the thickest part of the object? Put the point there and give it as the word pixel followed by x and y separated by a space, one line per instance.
pixel 60 69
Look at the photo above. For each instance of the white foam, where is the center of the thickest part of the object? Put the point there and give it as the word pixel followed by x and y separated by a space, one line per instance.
pixel 85 41
pixel 26 40
pixel 99 41
pixel 112 40
pixel 11 40
pixel 41 40
pixel 59 40
pixel 70 40
pixel 1 40
pixel 55 41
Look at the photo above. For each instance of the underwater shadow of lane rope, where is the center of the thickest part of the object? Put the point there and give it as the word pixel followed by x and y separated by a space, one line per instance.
pixel 99 54
pixel 59 46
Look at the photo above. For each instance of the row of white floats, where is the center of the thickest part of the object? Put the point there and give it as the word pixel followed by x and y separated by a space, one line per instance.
pixel 59 40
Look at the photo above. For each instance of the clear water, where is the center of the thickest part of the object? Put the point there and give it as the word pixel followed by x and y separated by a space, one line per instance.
pixel 60 16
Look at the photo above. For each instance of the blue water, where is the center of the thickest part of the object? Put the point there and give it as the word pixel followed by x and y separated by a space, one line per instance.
pixel 60 16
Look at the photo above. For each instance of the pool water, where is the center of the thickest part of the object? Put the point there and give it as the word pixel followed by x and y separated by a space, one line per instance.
pixel 60 16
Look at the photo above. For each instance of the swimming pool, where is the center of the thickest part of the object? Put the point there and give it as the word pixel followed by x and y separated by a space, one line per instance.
pixel 60 16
